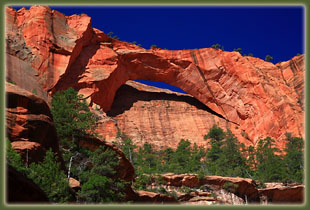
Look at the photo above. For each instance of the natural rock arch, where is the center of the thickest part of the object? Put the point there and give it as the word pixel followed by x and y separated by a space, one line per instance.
pixel 147 66
pixel 241 89
pixel 262 98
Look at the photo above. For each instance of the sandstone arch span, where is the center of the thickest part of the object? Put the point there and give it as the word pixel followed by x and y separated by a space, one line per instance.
pixel 244 90
pixel 262 98
pixel 147 66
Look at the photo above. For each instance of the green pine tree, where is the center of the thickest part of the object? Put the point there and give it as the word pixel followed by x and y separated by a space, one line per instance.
pixel 73 120
pixel 270 167
pixel 14 159
pixel 231 161
pixel 50 178
pixel 294 159
pixel 195 162
pixel 251 162
pixel 71 114
pixel 216 136
pixel 100 184
pixel 147 160
pixel 128 148
pixel 182 156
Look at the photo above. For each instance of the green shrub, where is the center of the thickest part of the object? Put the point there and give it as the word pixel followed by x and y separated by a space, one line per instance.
pixel 268 58
pixel 238 50
pixel 217 46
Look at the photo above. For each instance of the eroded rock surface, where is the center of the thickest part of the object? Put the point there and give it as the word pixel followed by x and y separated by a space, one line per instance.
pixel 29 123
pixel 211 190
pixel 261 99
pixel 31 130
pixel 242 186
pixel 153 198
pixel 283 194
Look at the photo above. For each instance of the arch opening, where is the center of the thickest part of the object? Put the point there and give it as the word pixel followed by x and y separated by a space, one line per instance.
pixel 161 85
pixel 132 92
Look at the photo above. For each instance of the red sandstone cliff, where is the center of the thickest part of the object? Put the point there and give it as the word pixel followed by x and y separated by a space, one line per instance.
pixel 30 126
pixel 250 95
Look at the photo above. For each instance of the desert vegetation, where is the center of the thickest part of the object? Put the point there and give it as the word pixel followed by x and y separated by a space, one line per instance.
pixel 96 171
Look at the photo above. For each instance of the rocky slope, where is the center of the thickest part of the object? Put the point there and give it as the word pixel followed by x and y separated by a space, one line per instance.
pixel 212 190
pixel 246 94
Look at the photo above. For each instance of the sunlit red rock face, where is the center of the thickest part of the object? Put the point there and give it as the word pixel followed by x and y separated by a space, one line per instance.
pixel 261 99
pixel 47 39
pixel 162 117
pixel 283 194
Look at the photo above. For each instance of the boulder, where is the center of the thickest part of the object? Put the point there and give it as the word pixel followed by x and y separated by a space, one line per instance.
pixel 243 187
pixel 74 184
pixel 284 194
pixel 153 198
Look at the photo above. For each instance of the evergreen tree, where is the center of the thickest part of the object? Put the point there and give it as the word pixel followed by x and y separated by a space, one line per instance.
pixel 195 162
pixel 182 156
pixel 147 159
pixel 100 184
pixel 143 181
pixel 71 115
pixel 128 148
pixel 217 136
pixel 270 167
pixel 224 158
pixel 73 120
pixel 251 162
pixel 50 178
pixel 166 160
pixel 231 161
pixel 14 159
pixel 294 159
pixel 46 174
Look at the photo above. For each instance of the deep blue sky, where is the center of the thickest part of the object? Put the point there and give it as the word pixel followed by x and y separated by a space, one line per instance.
pixel 270 30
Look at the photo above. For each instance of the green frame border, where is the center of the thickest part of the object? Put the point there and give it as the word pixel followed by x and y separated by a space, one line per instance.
pixel 3 3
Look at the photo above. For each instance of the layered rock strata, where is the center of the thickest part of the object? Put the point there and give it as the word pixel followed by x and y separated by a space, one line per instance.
pixel 230 190
pixel 29 124
pixel 258 97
